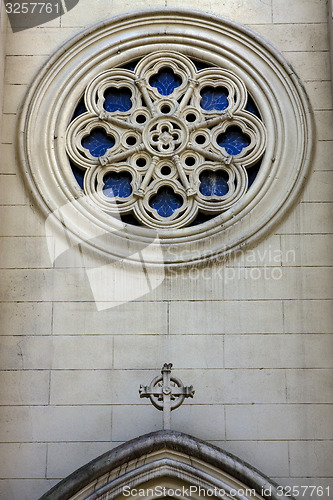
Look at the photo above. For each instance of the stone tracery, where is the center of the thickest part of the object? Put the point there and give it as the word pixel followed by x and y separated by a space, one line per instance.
pixel 166 140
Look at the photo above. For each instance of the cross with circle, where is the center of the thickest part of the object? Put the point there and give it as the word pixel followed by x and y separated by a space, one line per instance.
pixel 166 393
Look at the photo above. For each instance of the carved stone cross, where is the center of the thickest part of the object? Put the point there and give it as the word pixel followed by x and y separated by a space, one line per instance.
pixel 166 393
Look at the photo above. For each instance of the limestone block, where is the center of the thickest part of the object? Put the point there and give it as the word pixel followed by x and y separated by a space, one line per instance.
pixel 313 218
pixel 324 123
pixel 255 11
pixel 266 422
pixel 307 486
pixel 203 421
pixel 319 187
pixel 41 40
pixel 9 127
pixel 266 253
pixel 315 283
pixel 150 352
pixel 65 458
pixel 8 162
pixel 231 386
pixel 312 458
pixel 299 11
pixel 27 284
pixel 323 157
pixel 79 387
pixel 21 221
pixel 310 66
pixel 278 351
pixel 54 23
pixel 82 352
pixel 311 316
pixel 145 352
pixel 106 286
pixel 130 318
pixel 260 283
pixel 295 37
pixel 25 352
pixel 24 252
pixel 125 386
pixel 226 317
pixel 25 459
pixel 320 94
pixel 195 283
pixel 24 388
pixel 55 423
pixel 310 250
pixel 71 285
pixel 287 283
pixel 12 191
pixel 83 16
pixel 25 318
pixel 24 489
pixel 130 421
pixel 22 69
pixel 309 386
pixel 270 457
pixel 13 97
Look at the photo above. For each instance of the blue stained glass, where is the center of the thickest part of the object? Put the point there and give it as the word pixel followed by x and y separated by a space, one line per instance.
pixel 201 218
pixel 166 202
pixel 252 173
pixel 214 183
pixel 251 106
pixel 201 65
pixel 166 81
pixel 98 142
pixel 117 184
pixel 130 65
pixel 117 99
pixel 214 98
pixel 80 108
pixel 78 174
pixel 233 140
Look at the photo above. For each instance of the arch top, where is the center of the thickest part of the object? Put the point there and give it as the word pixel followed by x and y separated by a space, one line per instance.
pixel 166 462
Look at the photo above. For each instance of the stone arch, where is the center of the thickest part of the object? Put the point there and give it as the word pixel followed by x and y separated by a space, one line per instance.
pixel 165 464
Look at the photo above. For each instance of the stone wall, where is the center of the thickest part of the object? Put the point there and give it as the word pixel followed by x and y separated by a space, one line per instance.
pixel 253 336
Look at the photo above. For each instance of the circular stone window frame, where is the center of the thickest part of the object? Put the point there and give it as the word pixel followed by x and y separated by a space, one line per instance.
pixel 283 104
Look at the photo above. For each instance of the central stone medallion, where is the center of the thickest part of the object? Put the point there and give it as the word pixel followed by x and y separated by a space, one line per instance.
pixel 165 136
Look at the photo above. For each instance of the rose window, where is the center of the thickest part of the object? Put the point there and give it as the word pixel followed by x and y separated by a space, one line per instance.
pixel 167 141
pixel 168 137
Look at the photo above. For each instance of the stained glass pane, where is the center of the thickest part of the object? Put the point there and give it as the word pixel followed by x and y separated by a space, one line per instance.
pixel 233 140
pixel 214 98
pixel 98 142
pixel 117 184
pixel 251 106
pixel 78 174
pixel 252 173
pixel 130 65
pixel 166 81
pixel 117 99
pixel 166 201
pixel 80 108
pixel 214 183
pixel 201 65
pixel 201 218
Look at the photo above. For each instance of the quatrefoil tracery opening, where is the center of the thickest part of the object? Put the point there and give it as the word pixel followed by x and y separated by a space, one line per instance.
pixel 166 141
